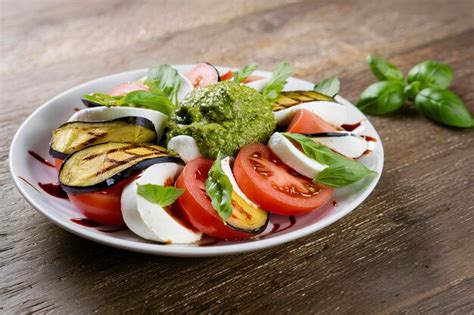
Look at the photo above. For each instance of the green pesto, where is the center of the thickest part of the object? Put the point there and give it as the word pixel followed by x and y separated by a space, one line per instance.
pixel 223 117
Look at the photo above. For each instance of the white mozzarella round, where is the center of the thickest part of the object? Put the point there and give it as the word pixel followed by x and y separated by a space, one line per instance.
pixel 225 163
pixel 150 220
pixel 258 85
pixel 185 146
pixel 184 89
pixel 294 158
pixel 345 143
pixel 103 113
pixel 333 113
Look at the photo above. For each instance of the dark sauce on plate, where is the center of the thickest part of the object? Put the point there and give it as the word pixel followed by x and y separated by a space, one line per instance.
pixel 352 127
pixel 37 157
pixel 23 179
pixel 86 222
pixel 53 189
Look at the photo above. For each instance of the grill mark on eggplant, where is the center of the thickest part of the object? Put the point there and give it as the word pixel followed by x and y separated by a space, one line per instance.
pixel 293 98
pixel 116 163
pixel 112 173
pixel 93 156
pixel 97 137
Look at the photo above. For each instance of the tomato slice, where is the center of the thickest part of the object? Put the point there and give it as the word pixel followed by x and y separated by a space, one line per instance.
pixel 203 74
pixel 196 204
pixel 305 121
pixel 127 87
pixel 58 163
pixel 102 206
pixel 275 187
pixel 252 78
pixel 227 76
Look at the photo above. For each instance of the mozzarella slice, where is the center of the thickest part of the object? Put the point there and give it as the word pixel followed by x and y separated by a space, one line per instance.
pixel 333 113
pixel 185 146
pixel 149 220
pixel 225 163
pixel 258 85
pixel 294 158
pixel 103 113
pixel 184 89
pixel 345 143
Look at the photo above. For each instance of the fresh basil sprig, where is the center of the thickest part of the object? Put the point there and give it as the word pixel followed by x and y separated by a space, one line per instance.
pixel 277 82
pixel 144 99
pixel 425 86
pixel 341 171
pixel 244 73
pixel 329 87
pixel 219 189
pixel 161 195
pixel 164 79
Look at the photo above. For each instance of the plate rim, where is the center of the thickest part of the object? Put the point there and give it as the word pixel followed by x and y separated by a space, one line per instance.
pixel 177 249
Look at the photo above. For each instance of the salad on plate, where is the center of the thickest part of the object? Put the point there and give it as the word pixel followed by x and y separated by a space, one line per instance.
pixel 176 156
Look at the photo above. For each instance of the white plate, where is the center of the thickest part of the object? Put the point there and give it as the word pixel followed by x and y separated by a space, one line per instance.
pixel 34 135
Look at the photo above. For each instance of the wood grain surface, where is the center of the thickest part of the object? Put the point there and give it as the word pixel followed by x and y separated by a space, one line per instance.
pixel 407 249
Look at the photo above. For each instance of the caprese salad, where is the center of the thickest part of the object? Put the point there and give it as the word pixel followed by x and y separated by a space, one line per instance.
pixel 173 156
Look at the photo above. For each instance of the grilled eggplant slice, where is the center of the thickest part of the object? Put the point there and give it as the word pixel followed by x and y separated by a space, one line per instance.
pixel 292 98
pixel 74 136
pixel 103 165
pixel 246 217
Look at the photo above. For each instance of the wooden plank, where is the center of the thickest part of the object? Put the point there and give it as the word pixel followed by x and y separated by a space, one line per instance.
pixel 408 248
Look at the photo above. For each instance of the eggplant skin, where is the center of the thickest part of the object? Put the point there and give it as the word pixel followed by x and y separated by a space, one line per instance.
pixel 115 177
pixel 88 103
pixel 88 130
pixel 217 71
pixel 253 231
pixel 291 98
pixel 246 217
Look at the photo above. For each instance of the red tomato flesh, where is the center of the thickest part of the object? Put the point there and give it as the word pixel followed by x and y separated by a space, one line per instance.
pixel 305 121
pixel 102 206
pixel 127 87
pixel 203 74
pixel 227 76
pixel 275 187
pixel 196 204
pixel 58 163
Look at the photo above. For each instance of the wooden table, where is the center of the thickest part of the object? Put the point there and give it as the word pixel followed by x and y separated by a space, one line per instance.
pixel 407 248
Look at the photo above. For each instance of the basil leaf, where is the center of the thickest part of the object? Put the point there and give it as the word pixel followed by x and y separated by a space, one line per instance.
pixel 219 189
pixel 151 100
pixel 412 89
pixel 164 79
pixel 244 73
pixel 343 174
pixel 382 98
pixel 103 99
pixel 329 87
pixel 145 99
pixel 341 171
pixel 161 195
pixel 315 150
pixel 444 107
pixel 277 82
pixel 384 70
pixel 431 74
